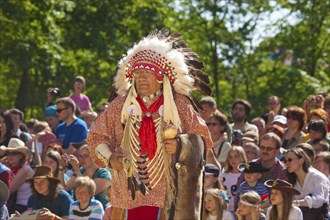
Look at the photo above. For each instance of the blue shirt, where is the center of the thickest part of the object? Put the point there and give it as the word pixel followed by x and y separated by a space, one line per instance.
pixel 260 188
pixel 94 211
pixel 59 206
pixel 74 133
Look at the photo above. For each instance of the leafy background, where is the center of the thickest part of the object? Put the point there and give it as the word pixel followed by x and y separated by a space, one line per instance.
pixel 46 43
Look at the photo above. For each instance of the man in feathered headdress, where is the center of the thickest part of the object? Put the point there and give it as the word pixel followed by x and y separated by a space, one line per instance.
pixel 151 136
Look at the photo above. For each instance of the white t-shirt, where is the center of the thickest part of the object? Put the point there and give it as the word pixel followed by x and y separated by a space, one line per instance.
pixel 226 215
pixel 295 213
pixel 229 181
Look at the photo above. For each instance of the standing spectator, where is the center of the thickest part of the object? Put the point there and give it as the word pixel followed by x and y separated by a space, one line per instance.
pixel 261 125
pixel 240 112
pixel 86 207
pixel 217 125
pixel 17 155
pixel 72 130
pixel 81 100
pixel 48 195
pixel 18 117
pixel 322 163
pixel 296 121
pixel 209 107
pixel 311 183
pixel 281 198
pixel 51 117
pixel 6 128
pixel 88 117
pixel 251 151
pixel 317 131
pixel 274 106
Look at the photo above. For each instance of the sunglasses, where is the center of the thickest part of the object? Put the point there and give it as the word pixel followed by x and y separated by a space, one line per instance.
pixel 268 149
pixel 292 117
pixel 59 110
pixel 12 153
pixel 289 160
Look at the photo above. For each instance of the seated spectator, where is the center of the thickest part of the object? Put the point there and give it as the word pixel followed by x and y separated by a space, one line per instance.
pixel 309 150
pixel 249 207
pixel 6 128
pixel 17 155
pixel 53 160
pixel 250 136
pixel 51 117
pixel 48 195
pixel 85 166
pixel 281 198
pixel 296 120
pixel 280 120
pixel 261 125
pixel 251 151
pixel 4 195
pixel 252 172
pixel 89 117
pixel 86 207
pixel 322 163
pixel 311 183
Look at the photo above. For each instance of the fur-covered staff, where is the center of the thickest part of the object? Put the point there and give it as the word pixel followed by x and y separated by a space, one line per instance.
pixel 151 124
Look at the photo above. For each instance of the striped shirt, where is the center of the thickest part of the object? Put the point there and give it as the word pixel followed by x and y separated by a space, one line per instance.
pixel 260 188
pixel 94 211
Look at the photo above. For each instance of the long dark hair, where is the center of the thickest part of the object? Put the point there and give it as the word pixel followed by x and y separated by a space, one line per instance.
pixel 287 205
pixel 9 126
pixel 54 188
pixel 300 153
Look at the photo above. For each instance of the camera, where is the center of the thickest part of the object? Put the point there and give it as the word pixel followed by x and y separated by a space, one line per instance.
pixel 55 92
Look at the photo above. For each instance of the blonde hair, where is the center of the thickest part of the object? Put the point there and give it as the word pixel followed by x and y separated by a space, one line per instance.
pixel 242 156
pixel 251 197
pixel 85 181
pixel 215 194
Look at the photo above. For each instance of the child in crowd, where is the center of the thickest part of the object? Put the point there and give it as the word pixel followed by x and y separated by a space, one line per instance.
pixel 252 172
pixel 249 207
pixel 86 207
pixel 281 198
pixel 211 179
pixel 214 206
pixel 108 210
pixel 230 175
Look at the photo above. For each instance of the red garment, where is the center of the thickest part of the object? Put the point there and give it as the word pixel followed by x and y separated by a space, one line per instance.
pixel 147 130
pixel 143 212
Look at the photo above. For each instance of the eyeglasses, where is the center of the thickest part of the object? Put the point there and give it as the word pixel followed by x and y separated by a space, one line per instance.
pixel 289 160
pixel 59 110
pixel 292 117
pixel 12 153
pixel 268 149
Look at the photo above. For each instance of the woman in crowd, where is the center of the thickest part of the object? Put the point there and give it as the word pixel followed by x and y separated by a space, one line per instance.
pixel 86 167
pixel 53 159
pixel 218 126
pixel 17 156
pixel 317 131
pixel 82 101
pixel 6 128
pixel 48 196
pixel 296 120
pixel 311 183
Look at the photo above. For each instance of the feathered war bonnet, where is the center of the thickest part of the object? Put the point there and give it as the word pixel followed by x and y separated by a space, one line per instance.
pixel 174 64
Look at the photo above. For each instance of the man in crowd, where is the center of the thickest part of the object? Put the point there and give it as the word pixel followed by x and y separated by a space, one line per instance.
pixel 209 106
pixel 240 113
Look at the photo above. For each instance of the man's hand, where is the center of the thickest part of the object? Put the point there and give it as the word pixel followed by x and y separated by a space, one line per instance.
pixel 114 161
pixel 171 146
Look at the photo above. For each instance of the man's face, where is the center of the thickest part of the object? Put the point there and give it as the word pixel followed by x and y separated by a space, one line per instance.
pixel 63 112
pixel 273 104
pixel 238 113
pixel 146 82
pixel 207 111
pixel 268 150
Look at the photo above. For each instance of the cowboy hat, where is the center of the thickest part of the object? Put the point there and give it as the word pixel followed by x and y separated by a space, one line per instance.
pixel 4 192
pixel 281 185
pixel 16 145
pixel 252 167
pixel 43 172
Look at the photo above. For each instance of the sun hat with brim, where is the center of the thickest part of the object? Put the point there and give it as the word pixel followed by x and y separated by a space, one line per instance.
pixel 4 192
pixel 252 167
pixel 16 145
pixel 43 172
pixel 281 185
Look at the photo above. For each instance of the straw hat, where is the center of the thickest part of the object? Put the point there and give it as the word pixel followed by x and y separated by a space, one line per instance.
pixel 281 185
pixel 4 192
pixel 43 172
pixel 16 145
